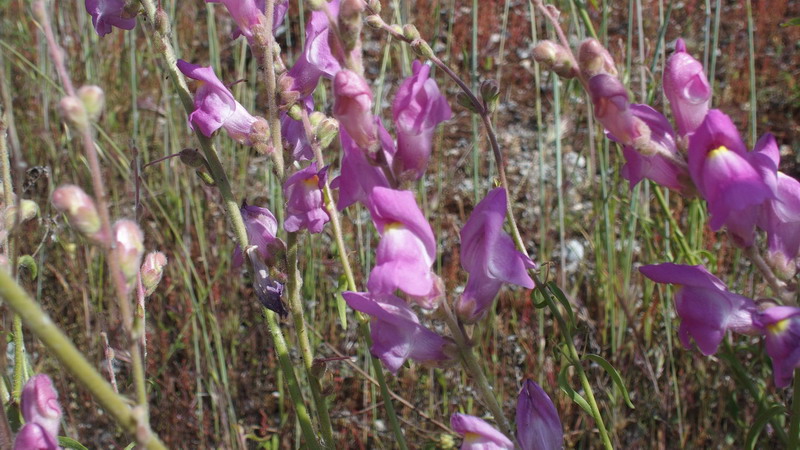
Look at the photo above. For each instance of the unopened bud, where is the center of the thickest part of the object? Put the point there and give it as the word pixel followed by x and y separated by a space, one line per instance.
pixel 350 23
pixel 192 158
pixel 259 134
pixel 410 32
pixel 396 29
pixel 295 112
pixel 556 58
pixel 129 242
pixel 422 49
pixel 326 131
pixel 316 5
pixel 375 6
pixel 73 111
pixel 161 22
pixel 490 92
pixel 594 59
pixel 318 368
pixel 316 118
pixel 374 21
pixel 152 271
pixel 93 101
pixel 28 210
pixel 79 209
pixel 784 268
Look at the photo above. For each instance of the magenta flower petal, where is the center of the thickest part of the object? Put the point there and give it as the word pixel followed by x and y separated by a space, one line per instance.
pixel 294 134
pixel 107 14
pixel 417 108
pixel 39 404
pixel 538 425
pixel 612 108
pixel 781 325
pixel 687 89
pixel 723 172
pixel 262 227
pixel 358 176
pixel 305 207
pixel 782 218
pixel 33 436
pixel 490 257
pixel 246 13
pixel 278 14
pixel 478 434
pixel 215 106
pixel 316 60
pixel 396 332
pixel 352 107
pixel 706 308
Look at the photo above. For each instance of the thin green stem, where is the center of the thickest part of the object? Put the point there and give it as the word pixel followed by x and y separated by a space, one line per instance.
pixel 263 47
pixel 794 425
pixel 73 360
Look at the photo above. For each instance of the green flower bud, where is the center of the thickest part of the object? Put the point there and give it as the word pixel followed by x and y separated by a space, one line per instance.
pixel 192 158
pixel 73 111
pixel 93 101
pixel 152 271
pixel 326 131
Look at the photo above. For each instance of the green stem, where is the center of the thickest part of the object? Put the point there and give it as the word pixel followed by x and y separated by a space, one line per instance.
pixel 296 307
pixel 263 45
pixel 73 360
pixel 291 379
pixel 794 425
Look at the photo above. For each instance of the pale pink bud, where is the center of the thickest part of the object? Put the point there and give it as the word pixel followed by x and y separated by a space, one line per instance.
pixel 130 247
pixel 152 271
pixel 79 209
pixel 93 100
pixel 594 59
pixel 556 58
pixel 73 111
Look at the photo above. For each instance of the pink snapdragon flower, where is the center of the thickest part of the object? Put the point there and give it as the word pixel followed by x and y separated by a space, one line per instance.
pixel 247 13
pixel 687 89
pixel 358 175
pixel 42 413
pixel 316 60
pixel 352 107
pixel 782 219
pixel 107 14
pixel 396 332
pixel 489 255
pixel 407 248
pixel 478 434
pixel 305 207
pixel 612 109
pixel 262 228
pixel 781 325
pixel 706 308
pixel 215 107
pixel 417 108
pixel 734 182
pixel 538 425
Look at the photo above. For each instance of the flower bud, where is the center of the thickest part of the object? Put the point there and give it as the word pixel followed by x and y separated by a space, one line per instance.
pixel 490 92
pixel 375 6
pixel 259 135
pixel 350 23
pixel 326 131
pixel 129 247
pixel 29 210
pixel 556 58
pixel 161 22
pixel 318 368
pixel 594 59
pixel 784 268
pixel 73 111
pixel 422 49
pixel 317 5
pixel 192 158
pixel 374 21
pixel 93 101
pixel 79 209
pixel 39 404
pixel 410 32
pixel 152 271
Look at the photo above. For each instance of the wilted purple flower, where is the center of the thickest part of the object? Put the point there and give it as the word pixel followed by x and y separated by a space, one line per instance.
pixel 489 256
pixel 726 177
pixel 396 333
pixel 39 404
pixel 352 107
pixel 215 107
pixel 406 250
pixel 705 306
pixel 316 60
pixel 305 207
pixel 538 425
pixel 262 228
pixel 359 176
pixel 654 165
pixel 781 325
pixel 33 436
pixel 107 14
pixel 417 108
pixel 612 109
pixel 687 89
pixel 478 434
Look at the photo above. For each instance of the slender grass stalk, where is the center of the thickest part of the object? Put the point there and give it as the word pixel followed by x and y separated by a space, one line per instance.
pixel 794 425
pixel 130 419
pixel 751 66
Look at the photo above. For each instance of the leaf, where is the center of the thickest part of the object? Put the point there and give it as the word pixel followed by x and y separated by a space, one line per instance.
pixel 614 374
pixel 758 424
pixel 537 294
pixel 69 443
pixel 563 383
pixel 564 302
pixel 795 22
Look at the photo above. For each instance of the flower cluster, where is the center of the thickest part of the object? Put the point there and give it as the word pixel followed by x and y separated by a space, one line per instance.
pixel 42 413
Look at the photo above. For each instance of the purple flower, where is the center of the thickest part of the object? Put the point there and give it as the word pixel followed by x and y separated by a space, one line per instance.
pixel 33 436
pixel 39 404
pixel 612 109
pixel 781 324
pixel 109 13
pixel 396 332
pixel 246 12
pixel 705 306
pixel 538 425
pixel 489 255
pixel 359 176
pixel 478 434
pixel 352 107
pixel 294 134
pixel 783 218
pixel 687 89
pixel 305 207
pixel 215 107
pixel 417 108
pixel 726 177
pixel 406 250
pixel 261 231
pixel 654 166
pixel 316 60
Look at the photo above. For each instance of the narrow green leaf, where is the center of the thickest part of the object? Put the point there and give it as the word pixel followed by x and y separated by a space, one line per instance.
pixel 69 443
pixel 758 424
pixel 795 22
pixel 615 376
pixel 563 383
pixel 563 300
